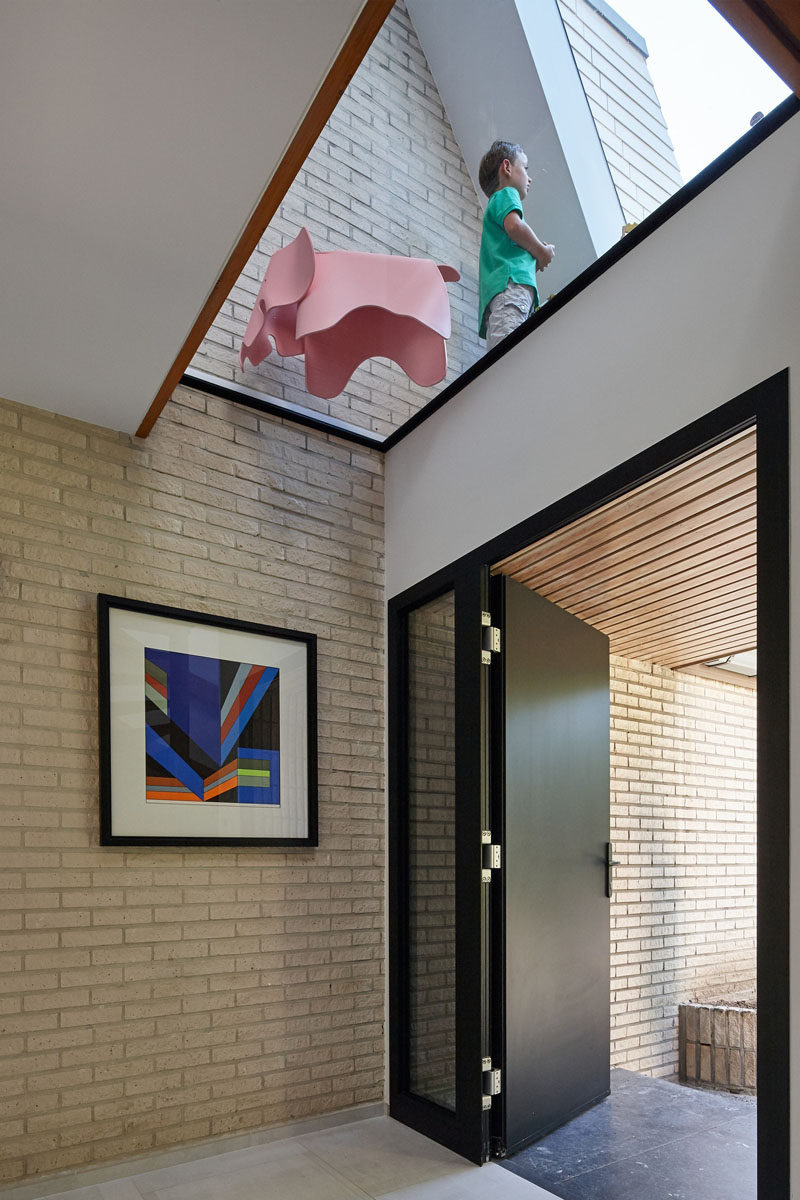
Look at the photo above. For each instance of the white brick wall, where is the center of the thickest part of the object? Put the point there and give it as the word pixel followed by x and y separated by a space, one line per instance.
pixel 625 108
pixel 151 996
pixel 683 824
pixel 385 176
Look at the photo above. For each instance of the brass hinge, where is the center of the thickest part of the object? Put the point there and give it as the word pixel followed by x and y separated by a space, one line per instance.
pixel 492 856
pixel 490 639
pixel 492 1082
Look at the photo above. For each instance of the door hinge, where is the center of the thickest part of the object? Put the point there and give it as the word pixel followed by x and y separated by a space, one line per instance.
pixel 492 856
pixel 490 635
pixel 492 1082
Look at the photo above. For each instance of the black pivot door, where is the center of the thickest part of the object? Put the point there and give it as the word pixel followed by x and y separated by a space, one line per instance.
pixel 552 697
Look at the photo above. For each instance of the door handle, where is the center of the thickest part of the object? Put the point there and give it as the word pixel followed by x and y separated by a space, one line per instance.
pixel 611 862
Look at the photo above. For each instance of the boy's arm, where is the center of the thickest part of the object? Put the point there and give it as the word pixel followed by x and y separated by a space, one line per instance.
pixel 520 232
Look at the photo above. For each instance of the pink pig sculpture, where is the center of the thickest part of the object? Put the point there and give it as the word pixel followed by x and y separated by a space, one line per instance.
pixel 341 307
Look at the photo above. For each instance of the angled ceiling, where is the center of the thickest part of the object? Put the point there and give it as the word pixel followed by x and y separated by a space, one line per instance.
pixel 137 138
pixel 667 571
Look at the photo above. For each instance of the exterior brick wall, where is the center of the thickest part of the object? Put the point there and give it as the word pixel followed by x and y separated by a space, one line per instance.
pixel 683 824
pixel 385 176
pixel 625 108
pixel 153 995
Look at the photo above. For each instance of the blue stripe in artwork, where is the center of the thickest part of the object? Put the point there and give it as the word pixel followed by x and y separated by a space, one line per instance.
pixel 193 696
pixel 262 795
pixel 248 795
pixel 253 700
pixel 234 689
pixel 158 749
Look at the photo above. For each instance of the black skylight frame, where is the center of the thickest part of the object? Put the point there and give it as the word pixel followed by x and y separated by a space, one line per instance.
pixel 250 398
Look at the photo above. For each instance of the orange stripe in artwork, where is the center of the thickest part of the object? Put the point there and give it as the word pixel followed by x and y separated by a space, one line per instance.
pixel 155 685
pixel 245 692
pixel 222 787
pixel 232 766
pixel 152 794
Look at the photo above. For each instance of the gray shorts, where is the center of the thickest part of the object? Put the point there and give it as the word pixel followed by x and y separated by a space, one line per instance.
pixel 506 311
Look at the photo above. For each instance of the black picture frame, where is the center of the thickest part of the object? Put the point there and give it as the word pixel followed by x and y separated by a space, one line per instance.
pixel 208 729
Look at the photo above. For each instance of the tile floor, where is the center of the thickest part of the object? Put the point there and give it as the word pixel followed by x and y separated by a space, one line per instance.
pixel 359 1161
pixel 650 1140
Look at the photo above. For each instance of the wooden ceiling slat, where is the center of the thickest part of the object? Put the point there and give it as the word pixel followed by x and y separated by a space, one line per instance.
pixel 720 675
pixel 667 571
pixel 741 536
pixel 698 651
pixel 676 620
pixel 737 480
pixel 646 543
pixel 742 647
pixel 711 561
pixel 710 622
pixel 677 587
pixel 703 631
pixel 739 644
pixel 681 478
pixel 648 615
pixel 682 656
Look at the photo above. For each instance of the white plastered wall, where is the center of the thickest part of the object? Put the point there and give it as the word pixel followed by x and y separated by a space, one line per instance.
pixel 706 307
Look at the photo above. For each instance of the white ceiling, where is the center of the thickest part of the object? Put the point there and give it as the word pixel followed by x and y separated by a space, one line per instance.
pixel 136 138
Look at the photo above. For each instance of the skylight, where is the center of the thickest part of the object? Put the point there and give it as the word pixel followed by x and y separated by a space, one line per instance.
pixel 395 170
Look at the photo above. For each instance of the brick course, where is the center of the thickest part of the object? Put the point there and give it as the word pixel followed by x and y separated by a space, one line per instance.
pixel 153 995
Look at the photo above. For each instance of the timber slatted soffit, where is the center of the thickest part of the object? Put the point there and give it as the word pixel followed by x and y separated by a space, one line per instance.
pixel 667 571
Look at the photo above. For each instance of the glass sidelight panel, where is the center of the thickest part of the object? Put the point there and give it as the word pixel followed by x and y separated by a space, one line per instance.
pixel 431 851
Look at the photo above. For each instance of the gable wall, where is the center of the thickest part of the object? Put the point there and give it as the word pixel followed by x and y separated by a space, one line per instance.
pixel 385 176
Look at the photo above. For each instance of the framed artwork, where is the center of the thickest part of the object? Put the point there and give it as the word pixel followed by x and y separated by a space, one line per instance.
pixel 208 729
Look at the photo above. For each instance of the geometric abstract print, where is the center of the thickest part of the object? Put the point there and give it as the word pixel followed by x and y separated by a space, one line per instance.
pixel 212 730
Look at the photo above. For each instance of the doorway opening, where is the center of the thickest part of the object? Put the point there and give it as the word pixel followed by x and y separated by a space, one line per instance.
pixel 474 875
pixel 667 572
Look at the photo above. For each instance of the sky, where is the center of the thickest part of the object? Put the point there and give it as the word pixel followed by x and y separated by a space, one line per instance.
pixel 709 81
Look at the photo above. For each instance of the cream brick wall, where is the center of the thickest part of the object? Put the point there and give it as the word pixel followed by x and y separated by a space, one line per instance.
pixel 385 176
pixel 152 996
pixel 625 108
pixel 683 824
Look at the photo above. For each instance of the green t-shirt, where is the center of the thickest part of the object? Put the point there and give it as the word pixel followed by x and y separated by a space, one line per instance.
pixel 502 261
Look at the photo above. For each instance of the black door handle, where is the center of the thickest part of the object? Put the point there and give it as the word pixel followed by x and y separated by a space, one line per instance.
pixel 611 862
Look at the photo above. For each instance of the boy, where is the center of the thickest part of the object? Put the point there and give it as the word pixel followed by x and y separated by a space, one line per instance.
pixel 510 250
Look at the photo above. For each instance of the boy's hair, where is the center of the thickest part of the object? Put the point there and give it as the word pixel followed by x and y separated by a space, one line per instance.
pixel 492 161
